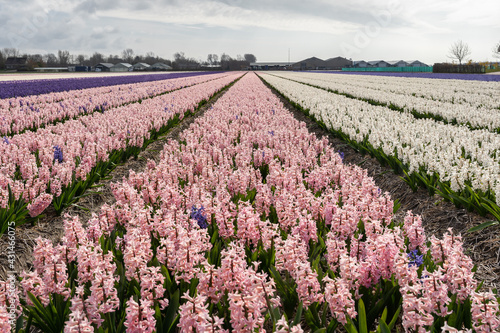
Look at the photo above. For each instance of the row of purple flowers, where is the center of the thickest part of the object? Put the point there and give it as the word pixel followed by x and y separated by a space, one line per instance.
pixel 10 89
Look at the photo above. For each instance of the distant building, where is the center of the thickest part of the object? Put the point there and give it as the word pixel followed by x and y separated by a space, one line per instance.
pixel 206 67
pixel 398 63
pixel 159 66
pixel 416 63
pixel 383 63
pixel 103 67
pixel 121 67
pixel 16 63
pixel 83 68
pixel 360 64
pixel 337 63
pixel 140 66
pixel 309 64
pixel 269 65
pixel 51 69
pixel 378 63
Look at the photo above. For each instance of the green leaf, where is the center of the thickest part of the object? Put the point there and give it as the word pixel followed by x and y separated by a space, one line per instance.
pixel 384 314
pixel 298 315
pixel 19 323
pixel 394 319
pixel 491 208
pixel 381 304
pixel 350 328
pixel 43 317
pixel 332 326
pixel 483 225
pixel 171 317
pixel 384 328
pixel 311 322
pixel 28 323
pixel 363 326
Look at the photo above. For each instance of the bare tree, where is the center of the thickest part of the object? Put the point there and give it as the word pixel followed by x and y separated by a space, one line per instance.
pixel 459 50
pixel 50 59
pixel 150 58
pixel 35 60
pixel 225 57
pixel 80 59
pixel 128 55
pixel 212 59
pixel 179 56
pixel 250 58
pixel 496 50
pixel 114 59
pixel 63 57
pixel 224 61
pixel 96 58
pixel 11 52
pixel 184 63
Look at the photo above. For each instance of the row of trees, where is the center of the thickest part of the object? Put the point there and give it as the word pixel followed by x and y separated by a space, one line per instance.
pixel 461 50
pixel 181 61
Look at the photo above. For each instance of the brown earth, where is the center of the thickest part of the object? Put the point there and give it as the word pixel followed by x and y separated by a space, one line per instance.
pixel 483 247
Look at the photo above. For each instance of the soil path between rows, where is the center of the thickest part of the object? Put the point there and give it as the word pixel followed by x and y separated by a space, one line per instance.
pixel 483 247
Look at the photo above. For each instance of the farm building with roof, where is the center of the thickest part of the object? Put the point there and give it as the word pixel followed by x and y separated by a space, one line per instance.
pixel 16 63
pixel 121 67
pixel 159 66
pixel 103 67
pixel 140 66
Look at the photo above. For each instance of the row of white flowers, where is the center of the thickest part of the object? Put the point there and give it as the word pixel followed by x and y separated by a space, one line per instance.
pixel 455 153
pixel 475 93
pixel 473 102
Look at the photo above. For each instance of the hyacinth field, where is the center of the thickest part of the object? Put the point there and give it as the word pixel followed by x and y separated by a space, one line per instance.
pixel 248 222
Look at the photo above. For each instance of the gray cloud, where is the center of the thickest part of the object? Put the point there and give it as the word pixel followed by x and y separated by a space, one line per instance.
pixel 324 28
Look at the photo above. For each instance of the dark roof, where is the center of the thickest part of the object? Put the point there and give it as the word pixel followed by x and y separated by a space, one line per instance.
pixel 313 60
pixel 16 60
pixel 105 64
pixel 393 62
pixel 160 65
pixel 338 61
pixel 140 64
pixel 122 64
pixel 337 58
pixel 269 64
pixel 375 62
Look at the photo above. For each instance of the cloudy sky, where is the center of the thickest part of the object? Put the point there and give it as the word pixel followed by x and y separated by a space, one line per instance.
pixel 368 30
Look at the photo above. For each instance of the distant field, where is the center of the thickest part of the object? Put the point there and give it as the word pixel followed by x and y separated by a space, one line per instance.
pixel 66 75
pixel 45 85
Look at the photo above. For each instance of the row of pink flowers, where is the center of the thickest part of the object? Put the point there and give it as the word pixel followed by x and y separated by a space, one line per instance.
pixel 31 112
pixel 224 154
pixel 28 162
